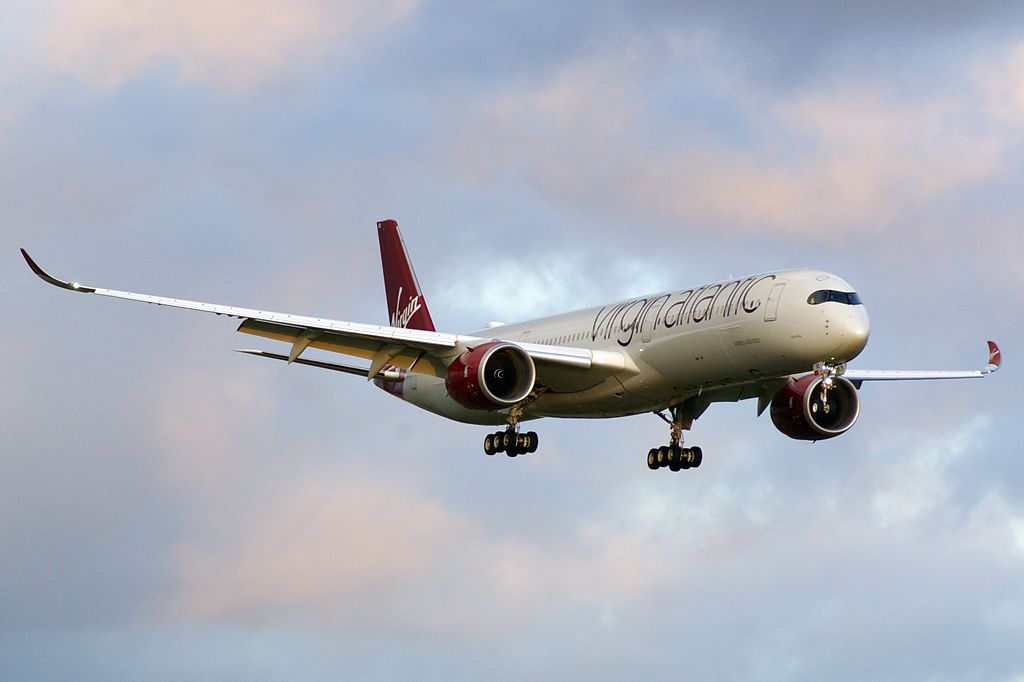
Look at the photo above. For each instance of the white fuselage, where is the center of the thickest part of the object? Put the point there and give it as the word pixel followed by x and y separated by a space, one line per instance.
pixel 678 344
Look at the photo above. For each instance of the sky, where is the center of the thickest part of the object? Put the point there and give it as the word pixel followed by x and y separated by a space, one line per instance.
pixel 172 510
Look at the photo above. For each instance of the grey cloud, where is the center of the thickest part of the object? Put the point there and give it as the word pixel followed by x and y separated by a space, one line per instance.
pixel 144 466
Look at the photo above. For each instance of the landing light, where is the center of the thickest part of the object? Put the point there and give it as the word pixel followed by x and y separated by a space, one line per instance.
pixel 76 285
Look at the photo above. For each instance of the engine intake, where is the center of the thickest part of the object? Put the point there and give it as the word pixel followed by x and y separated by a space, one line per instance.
pixel 804 410
pixel 492 376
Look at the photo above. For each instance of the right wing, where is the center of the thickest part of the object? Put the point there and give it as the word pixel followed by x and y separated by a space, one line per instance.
pixel 415 350
pixel 404 346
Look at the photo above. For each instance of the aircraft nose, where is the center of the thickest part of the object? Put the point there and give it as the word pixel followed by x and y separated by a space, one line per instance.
pixel 855 333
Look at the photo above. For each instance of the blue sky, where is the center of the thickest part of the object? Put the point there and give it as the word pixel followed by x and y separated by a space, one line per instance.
pixel 169 509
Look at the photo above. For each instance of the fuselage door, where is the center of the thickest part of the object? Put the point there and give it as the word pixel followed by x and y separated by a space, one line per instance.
pixel 771 310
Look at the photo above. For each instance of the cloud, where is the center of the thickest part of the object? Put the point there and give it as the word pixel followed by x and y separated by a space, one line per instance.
pixel 917 483
pixel 848 156
pixel 324 549
pixel 231 44
pixel 166 501
pixel 530 286
pixel 386 555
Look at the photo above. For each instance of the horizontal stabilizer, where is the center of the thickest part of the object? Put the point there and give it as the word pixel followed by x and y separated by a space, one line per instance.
pixel 337 367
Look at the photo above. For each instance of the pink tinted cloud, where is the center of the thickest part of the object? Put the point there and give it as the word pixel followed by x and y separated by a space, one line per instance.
pixel 387 555
pixel 845 156
pixel 231 44
pixel 320 550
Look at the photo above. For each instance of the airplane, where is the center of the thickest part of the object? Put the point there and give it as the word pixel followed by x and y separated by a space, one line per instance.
pixel 783 338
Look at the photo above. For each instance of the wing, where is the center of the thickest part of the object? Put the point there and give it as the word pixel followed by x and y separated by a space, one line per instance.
pixel 415 350
pixel 995 360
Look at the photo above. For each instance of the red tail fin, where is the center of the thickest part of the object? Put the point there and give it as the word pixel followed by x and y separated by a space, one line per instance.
pixel 406 305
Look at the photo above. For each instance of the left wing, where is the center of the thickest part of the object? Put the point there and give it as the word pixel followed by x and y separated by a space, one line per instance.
pixel 765 389
pixel 995 360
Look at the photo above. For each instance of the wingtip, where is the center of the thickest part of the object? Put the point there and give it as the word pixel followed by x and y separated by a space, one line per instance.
pixel 50 279
pixel 31 263
pixel 995 356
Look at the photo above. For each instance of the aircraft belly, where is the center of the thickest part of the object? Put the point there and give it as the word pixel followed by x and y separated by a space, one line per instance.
pixel 608 399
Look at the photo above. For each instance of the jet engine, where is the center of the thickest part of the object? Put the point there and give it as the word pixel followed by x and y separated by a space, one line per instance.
pixel 492 376
pixel 807 409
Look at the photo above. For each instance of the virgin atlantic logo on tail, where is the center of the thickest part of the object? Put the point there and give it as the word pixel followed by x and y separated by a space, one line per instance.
pixel 400 318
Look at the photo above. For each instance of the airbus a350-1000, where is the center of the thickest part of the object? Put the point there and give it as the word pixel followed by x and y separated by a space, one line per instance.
pixel 782 338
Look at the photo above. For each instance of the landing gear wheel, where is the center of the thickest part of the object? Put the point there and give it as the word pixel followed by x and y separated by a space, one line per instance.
pixel 662 456
pixel 675 458
pixel 652 459
pixel 533 440
pixel 698 457
pixel 489 444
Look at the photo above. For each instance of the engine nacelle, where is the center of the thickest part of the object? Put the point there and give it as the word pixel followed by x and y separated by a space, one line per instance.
pixel 804 410
pixel 492 376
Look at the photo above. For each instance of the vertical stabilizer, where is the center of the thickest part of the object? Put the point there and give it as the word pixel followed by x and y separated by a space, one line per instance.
pixel 406 304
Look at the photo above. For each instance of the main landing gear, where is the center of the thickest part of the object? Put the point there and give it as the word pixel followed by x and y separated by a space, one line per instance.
pixel 674 455
pixel 510 441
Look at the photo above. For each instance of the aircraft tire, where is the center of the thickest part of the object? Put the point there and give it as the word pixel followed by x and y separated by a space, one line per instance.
pixel 675 458
pixel 533 441
pixel 698 457
pixel 652 459
pixel 489 444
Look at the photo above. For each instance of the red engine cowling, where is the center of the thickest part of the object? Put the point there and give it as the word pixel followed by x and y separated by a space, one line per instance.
pixel 491 376
pixel 805 411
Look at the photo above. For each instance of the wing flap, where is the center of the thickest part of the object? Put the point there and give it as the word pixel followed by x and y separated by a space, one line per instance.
pixel 337 367
pixel 357 346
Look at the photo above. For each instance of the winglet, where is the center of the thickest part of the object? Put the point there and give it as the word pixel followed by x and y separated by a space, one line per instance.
pixel 995 358
pixel 46 277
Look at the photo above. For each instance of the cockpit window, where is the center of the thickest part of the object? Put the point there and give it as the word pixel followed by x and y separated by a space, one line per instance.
pixel 826 295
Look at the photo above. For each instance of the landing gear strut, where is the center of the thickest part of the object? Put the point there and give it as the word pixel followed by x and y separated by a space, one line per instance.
pixel 674 455
pixel 510 441
pixel 827 370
